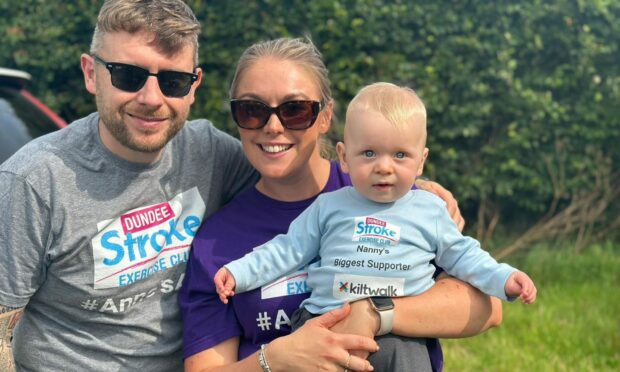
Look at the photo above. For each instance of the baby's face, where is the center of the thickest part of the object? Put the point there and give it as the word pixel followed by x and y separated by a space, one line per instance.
pixel 382 159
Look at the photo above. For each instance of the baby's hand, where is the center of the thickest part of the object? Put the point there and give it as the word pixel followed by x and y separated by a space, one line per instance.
pixel 519 284
pixel 224 284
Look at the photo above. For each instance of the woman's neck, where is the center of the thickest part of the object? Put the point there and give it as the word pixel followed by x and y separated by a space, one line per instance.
pixel 302 185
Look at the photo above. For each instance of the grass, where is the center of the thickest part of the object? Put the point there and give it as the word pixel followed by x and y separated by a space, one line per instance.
pixel 573 326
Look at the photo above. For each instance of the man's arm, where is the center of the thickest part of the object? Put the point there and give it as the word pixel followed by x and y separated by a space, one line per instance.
pixel 8 319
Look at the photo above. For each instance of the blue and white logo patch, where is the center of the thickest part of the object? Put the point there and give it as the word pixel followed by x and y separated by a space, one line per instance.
pixel 374 231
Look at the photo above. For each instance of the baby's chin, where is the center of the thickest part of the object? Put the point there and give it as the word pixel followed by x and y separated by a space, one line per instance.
pixel 383 200
pixel 381 195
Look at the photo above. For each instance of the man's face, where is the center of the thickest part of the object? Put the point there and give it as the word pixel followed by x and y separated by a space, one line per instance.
pixel 136 126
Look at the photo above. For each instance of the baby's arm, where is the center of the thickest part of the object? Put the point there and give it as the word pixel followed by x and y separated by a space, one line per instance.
pixel 224 284
pixel 520 285
pixel 281 255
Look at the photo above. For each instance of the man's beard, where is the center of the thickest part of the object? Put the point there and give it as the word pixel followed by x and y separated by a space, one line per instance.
pixel 143 143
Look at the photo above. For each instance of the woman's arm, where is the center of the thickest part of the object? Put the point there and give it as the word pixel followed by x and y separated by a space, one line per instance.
pixel 312 347
pixel 222 357
pixel 450 309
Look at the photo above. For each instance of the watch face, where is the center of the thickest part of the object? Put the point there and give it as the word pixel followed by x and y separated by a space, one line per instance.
pixel 382 303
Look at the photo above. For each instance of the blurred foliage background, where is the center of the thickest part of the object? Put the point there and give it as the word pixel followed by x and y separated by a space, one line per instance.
pixel 523 96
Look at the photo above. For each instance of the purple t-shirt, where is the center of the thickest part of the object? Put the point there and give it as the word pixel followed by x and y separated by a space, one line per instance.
pixel 261 315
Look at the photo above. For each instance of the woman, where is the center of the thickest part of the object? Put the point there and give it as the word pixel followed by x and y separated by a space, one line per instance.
pixel 287 77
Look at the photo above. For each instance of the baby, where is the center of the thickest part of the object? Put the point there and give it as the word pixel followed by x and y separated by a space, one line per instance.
pixel 377 238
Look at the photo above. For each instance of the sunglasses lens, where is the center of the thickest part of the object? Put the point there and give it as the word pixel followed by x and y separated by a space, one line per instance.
pixel 298 114
pixel 294 115
pixel 128 78
pixel 250 114
pixel 174 83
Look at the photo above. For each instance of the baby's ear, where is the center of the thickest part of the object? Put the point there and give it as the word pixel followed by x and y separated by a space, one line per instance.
pixel 424 156
pixel 340 149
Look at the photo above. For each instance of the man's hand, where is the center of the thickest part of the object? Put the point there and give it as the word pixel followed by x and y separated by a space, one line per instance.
pixel 8 319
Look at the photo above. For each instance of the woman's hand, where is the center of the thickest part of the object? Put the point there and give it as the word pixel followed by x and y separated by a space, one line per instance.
pixel 445 195
pixel 314 347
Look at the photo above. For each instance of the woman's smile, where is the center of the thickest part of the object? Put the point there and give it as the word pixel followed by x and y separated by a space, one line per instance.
pixel 272 149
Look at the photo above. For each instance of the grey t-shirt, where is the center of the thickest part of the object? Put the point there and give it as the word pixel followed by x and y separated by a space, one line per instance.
pixel 95 247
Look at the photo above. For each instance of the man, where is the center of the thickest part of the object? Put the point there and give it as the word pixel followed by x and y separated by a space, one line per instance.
pixel 97 219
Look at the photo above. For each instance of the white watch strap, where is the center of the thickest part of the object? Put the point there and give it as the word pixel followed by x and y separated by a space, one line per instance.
pixel 387 321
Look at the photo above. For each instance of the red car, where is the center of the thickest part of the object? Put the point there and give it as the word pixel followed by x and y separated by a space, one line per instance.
pixel 22 116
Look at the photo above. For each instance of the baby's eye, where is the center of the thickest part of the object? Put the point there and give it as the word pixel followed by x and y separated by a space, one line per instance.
pixel 368 153
pixel 400 155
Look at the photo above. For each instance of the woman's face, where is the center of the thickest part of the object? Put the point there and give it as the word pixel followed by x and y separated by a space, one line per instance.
pixel 276 152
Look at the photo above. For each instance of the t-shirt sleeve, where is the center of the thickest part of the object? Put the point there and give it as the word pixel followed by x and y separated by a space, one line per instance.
pixel 206 320
pixel 24 232
pixel 282 254
pixel 461 256
pixel 239 172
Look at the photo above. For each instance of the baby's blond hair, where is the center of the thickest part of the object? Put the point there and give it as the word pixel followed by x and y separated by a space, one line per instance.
pixel 399 105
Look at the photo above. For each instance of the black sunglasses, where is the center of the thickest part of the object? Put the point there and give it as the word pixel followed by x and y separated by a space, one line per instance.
pixel 294 115
pixel 132 78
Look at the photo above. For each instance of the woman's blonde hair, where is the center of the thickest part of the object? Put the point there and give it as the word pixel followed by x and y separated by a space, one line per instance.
pixel 301 51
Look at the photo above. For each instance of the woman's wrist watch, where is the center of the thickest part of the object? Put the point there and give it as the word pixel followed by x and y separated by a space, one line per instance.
pixel 384 306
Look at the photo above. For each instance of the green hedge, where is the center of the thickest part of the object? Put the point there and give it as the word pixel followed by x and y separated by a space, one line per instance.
pixel 523 97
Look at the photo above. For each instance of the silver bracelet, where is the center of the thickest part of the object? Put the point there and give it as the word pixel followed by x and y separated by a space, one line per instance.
pixel 262 358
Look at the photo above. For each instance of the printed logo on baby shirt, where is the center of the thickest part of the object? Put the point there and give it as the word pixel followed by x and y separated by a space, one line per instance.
pixel 146 240
pixel 351 287
pixel 375 231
